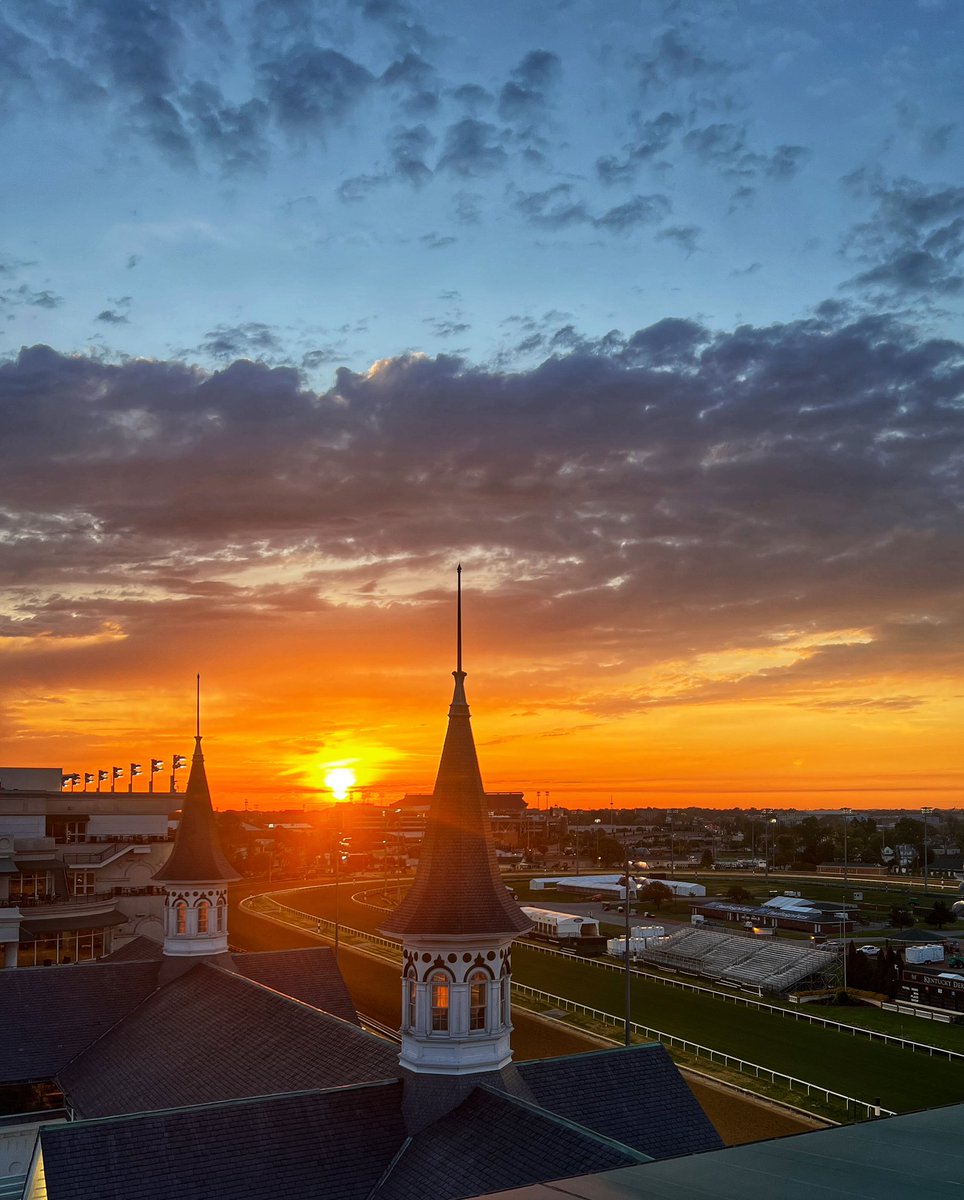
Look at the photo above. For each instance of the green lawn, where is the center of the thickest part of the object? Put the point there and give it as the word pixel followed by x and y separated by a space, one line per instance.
pixel 902 1080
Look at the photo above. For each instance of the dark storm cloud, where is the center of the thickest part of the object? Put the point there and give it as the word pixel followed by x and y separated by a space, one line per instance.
pixel 734 487
pixel 472 149
pixel 914 241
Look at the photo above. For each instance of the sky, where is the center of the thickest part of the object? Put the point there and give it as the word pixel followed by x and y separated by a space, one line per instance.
pixel 648 313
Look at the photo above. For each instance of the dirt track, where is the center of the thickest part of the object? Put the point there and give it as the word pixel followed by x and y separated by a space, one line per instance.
pixel 375 988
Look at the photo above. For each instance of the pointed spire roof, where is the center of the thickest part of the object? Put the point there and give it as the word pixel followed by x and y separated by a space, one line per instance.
pixel 458 889
pixel 197 856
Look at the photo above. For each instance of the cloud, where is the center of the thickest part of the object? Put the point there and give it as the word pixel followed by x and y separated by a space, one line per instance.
pixel 675 60
pixel 639 210
pixel 111 317
pixel 523 97
pixel 310 88
pixel 472 149
pixel 25 296
pixel 685 236
pixel 913 243
pixel 251 339
pixel 652 138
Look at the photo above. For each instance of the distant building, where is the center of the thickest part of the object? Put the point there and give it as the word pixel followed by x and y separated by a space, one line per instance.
pixel 76 868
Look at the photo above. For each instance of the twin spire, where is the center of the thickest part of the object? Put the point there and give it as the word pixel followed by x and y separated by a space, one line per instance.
pixel 458 888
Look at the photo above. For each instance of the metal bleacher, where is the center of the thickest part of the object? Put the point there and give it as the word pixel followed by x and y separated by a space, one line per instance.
pixel 743 962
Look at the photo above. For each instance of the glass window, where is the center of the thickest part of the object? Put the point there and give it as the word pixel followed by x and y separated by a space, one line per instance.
pixel 440 1000
pixel 412 996
pixel 478 983
pixel 180 910
pixel 83 882
pixel 203 909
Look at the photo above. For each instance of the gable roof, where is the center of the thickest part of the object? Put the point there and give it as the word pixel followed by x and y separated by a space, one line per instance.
pixel 634 1095
pixel 212 1035
pixel 329 1145
pixel 458 889
pixel 51 1014
pixel 495 1141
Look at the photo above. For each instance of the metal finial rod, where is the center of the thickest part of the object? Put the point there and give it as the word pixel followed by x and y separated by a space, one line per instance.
pixel 198 705
pixel 458 630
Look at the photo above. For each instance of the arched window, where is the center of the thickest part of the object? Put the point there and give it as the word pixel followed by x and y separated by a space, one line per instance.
pixel 203 913
pixel 440 1001
pixel 478 985
pixel 180 916
pixel 504 992
pixel 411 995
pixel 219 915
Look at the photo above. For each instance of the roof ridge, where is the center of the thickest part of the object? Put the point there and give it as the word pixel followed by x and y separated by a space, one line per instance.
pixel 386 1174
pixel 564 1122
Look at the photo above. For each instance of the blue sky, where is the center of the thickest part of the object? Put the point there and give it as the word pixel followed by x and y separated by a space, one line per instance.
pixel 329 184
pixel 649 312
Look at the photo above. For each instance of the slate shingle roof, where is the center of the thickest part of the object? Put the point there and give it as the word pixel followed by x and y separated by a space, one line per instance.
pixel 310 1146
pixel 495 1141
pixel 211 1035
pixel 139 949
pixel 310 975
pixel 50 1014
pixel 458 889
pixel 633 1095
pixel 197 856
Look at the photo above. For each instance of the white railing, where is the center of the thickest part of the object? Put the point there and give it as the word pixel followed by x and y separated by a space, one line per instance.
pixel 795 1014
pixel 745 1067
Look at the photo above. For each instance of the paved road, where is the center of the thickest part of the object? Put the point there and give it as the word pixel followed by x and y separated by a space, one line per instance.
pixel 375 989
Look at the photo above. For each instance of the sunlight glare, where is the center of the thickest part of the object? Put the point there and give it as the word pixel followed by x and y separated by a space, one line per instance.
pixel 341 780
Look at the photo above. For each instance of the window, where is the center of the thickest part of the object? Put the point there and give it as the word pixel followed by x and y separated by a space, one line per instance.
pixel 411 995
pixel 478 983
pixel 180 916
pixel 219 915
pixel 83 882
pixel 504 992
pixel 31 887
pixel 440 1001
pixel 203 911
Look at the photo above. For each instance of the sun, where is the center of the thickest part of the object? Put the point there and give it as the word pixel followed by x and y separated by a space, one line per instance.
pixel 341 780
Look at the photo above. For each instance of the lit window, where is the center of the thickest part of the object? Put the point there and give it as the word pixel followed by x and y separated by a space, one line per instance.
pixel 180 912
pixel 477 989
pixel 203 909
pixel 440 1001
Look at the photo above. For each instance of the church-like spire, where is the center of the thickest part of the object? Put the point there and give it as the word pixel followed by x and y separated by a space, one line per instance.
pixel 197 856
pixel 458 889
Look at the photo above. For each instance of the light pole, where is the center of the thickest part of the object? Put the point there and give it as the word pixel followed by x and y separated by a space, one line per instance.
pixel 925 813
pixel 629 975
pixel 597 822
pixel 845 812
pixel 769 820
pixel 672 844
pixel 341 847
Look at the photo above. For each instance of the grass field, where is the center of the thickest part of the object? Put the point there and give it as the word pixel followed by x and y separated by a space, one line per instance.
pixel 899 1079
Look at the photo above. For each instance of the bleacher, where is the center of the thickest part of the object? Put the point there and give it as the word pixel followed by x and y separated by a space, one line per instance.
pixel 744 962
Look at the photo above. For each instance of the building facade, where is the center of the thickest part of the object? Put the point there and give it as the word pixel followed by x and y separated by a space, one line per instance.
pixel 77 867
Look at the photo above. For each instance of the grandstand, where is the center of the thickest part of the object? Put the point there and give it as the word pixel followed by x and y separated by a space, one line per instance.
pixel 743 962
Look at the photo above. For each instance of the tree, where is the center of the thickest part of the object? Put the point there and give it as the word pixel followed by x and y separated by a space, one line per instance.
pixel 739 895
pixel 706 859
pixel 657 893
pixel 901 918
pixel 939 915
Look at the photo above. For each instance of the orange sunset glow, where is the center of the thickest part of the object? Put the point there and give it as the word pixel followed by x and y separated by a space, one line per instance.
pixel 348 699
